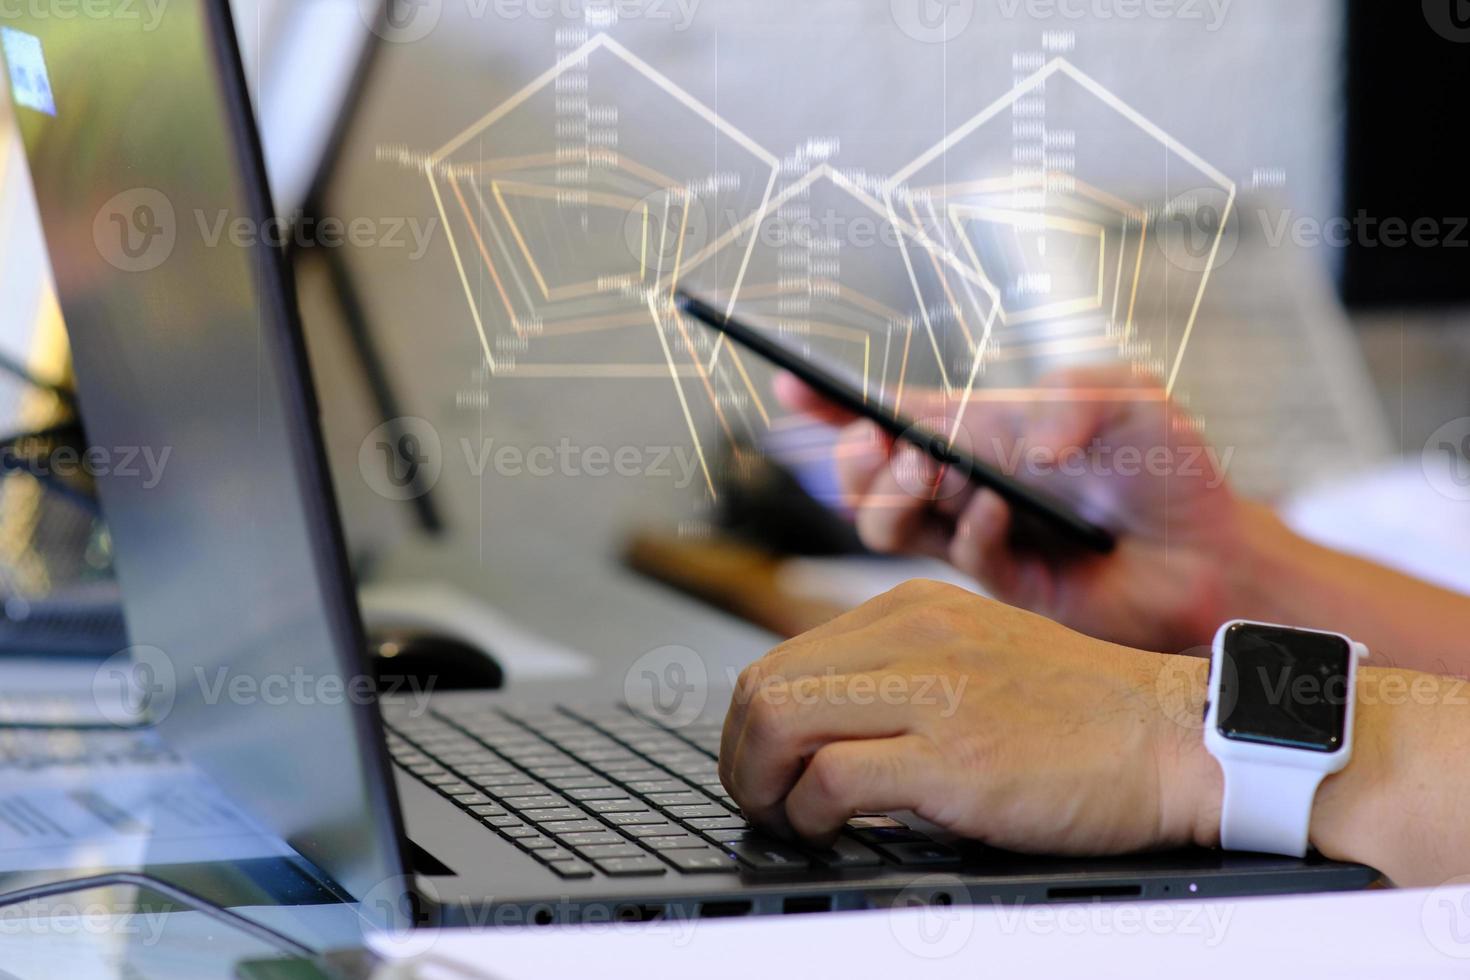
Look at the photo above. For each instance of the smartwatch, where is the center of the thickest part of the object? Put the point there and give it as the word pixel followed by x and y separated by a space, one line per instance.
pixel 1279 720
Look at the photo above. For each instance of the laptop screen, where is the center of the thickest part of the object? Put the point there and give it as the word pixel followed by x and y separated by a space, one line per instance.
pixel 246 647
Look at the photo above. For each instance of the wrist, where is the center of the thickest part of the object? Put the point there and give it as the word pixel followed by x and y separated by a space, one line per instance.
pixel 1352 813
pixel 1191 784
pixel 1355 816
pixel 1255 563
pixel 1271 566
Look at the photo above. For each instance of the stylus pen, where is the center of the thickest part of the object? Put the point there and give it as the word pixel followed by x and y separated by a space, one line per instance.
pixel 1026 500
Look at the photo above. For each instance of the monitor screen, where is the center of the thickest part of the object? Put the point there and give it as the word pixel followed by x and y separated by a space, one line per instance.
pixel 246 648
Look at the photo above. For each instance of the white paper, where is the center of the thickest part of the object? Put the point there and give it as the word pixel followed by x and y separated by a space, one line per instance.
pixel 101 817
pixel 1360 934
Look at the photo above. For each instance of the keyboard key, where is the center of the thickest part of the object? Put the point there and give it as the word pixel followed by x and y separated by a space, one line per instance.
pixel 536 842
pixel 872 822
pixel 505 821
pixel 725 834
pixel 488 810
pixel 696 812
pixel 631 866
pixel 454 786
pixel 685 798
pixel 921 854
pixel 490 771
pixel 599 851
pixel 677 842
pixel 889 835
pixel 571 868
pixel 703 861
pixel 519 787
pixel 660 829
pixel 499 780
pixel 520 830
pixel 589 838
pixel 580 782
pixel 555 815
pixel 768 856
pixel 718 823
pixel 643 772
pixel 533 802
pixel 847 853
pixel 615 806
pixel 634 819
pixel 656 786
pixel 560 772
pixel 548 854
pixel 472 798
pixel 599 756
pixel 560 827
pixel 597 793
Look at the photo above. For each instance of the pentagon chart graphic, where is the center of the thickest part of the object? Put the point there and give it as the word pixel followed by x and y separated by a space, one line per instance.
pixel 1056 226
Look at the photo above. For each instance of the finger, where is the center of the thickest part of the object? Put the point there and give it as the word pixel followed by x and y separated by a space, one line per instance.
pixel 797 396
pixel 826 648
pixel 788 721
pixel 1087 403
pixel 891 515
pixel 846 778
pixel 981 544
pixel 860 453
pixel 982 548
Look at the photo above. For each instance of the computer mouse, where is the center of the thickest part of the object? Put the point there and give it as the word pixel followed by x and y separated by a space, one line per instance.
pixel 418 660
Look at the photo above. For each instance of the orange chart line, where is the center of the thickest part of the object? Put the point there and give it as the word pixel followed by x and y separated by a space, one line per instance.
pixel 485 254
pixel 709 389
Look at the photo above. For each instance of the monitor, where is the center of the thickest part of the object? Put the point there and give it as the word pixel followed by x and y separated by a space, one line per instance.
pixel 247 649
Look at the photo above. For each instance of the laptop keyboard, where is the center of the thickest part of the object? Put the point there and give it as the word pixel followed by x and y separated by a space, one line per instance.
pixel 608 791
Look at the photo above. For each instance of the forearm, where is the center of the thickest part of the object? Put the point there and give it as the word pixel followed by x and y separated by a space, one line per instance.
pixel 1405 622
pixel 1399 804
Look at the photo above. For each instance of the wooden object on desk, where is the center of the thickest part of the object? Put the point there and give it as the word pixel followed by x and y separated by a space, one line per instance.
pixel 731 575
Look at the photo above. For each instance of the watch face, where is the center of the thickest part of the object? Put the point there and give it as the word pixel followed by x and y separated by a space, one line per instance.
pixel 1284 687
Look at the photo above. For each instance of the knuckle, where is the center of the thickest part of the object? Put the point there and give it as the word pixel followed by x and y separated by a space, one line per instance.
pixel 749 680
pixel 877 527
pixel 967 554
pixel 833 771
pixel 768 719
pixel 918 590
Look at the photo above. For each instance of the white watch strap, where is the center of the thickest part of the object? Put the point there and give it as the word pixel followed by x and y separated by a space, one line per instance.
pixel 1267 808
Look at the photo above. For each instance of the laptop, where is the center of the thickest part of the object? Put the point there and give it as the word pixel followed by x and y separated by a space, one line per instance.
pixel 535 804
